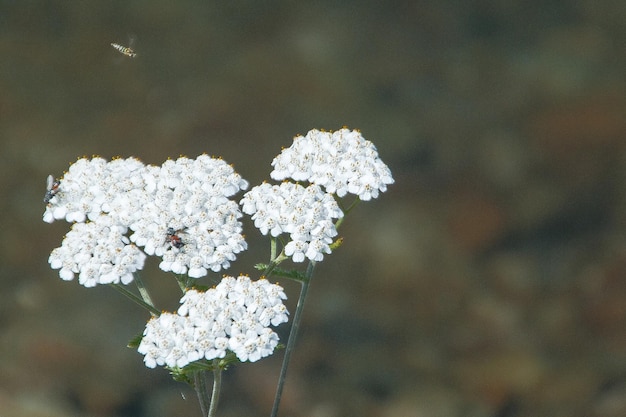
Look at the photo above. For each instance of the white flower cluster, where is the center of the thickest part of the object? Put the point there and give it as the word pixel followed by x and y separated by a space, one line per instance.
pixel 234 316
pixel 99 252
pixel 94 186
pixel 179 211
pixel 341 162
pixel 191 223
pixel 306 214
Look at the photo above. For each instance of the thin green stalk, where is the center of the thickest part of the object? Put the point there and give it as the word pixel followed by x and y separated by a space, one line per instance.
pixel 217 387
pixel 133 297
pixel 208 406
pixel 275 260
pixel 200 386
pixel 273 248
pixel 346 210
pixel 297 318
pixel 143 291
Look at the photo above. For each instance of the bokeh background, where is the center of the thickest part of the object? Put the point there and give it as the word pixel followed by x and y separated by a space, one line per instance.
pixel 489 281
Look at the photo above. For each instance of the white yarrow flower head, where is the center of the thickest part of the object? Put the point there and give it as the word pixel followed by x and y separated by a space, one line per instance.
pixel 96 248
pixel 235 316
pixel 304 213
pixel 341 162
pixel 180 212
pixel 98 252
pixel 92 187
pixel 190 222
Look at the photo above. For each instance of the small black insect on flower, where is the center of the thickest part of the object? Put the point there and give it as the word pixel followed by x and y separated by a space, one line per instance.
pixel 174 239
pixel 52 188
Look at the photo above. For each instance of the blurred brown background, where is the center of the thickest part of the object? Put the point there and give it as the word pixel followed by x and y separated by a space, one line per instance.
pixel 490 281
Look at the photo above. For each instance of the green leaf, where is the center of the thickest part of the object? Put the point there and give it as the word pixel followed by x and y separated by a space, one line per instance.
pixel 135 341
pixel 179 375
pixel 293 274
pixel 185 374
pixel 336 244
pixel 261 267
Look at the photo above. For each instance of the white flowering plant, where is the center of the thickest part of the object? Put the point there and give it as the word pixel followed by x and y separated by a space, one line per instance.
pixel 183 212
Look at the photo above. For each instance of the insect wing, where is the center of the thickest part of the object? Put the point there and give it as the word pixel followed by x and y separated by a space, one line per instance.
pixel 49 183
pixel 130 51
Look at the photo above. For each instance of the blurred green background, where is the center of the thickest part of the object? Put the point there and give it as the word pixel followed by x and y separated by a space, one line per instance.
pixel 489 281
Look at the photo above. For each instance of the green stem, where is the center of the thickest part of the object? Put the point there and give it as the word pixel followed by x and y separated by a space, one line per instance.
pixel 273 248
pixel 208 406
pixel 346 211
pixel 273 264
pixel 139 300
pixel 217 386
pixel 275 260
pixel 297 318
pixel 200 385
pixel 143 291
